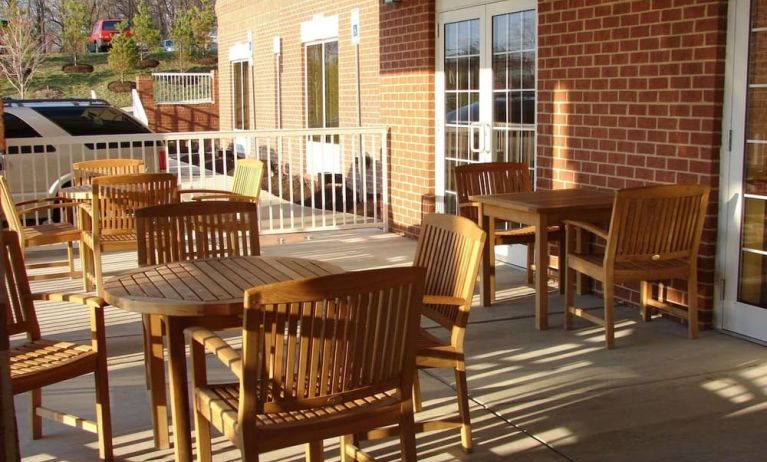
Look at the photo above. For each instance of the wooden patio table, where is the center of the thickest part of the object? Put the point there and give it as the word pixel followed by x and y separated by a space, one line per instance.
pixel 82 192
pixel 542 208
pixel 197 292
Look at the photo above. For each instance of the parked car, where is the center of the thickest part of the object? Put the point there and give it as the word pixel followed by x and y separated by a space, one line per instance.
pixel 35 170
pixel 102 33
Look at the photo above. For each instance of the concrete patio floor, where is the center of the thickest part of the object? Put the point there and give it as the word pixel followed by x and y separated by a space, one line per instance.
pixel 550 395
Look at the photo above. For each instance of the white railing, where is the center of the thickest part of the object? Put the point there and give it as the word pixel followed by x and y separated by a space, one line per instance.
pixel 313 180
pixel 182 87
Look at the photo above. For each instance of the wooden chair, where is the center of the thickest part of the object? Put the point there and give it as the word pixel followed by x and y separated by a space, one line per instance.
pixel 322 357
pixel 246 184
pixel 654 234
pixel 499 178
pixel 62 232
pixel 108 222
pixel 450 248
pixel 187 231
pixel 40 362
pixel 84 172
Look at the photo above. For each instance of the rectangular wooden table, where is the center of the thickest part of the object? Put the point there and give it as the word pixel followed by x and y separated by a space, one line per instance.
pixel 540 209
pixel 189 293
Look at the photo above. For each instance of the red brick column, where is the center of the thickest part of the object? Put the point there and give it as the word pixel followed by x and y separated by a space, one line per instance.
pixel 630 93
pixel 407 59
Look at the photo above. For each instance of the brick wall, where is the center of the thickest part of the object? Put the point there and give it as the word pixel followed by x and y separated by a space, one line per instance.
pixel 396 73
pixel 630 93
pixel 178 117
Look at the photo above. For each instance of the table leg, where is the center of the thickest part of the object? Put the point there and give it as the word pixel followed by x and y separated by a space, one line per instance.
pixel 179 390
pixel 156 369
pixel 581 281
pixel 541 272
pixel 487 289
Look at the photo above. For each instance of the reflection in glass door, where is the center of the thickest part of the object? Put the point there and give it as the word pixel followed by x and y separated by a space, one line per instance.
pixel 485 90
pixel 744 211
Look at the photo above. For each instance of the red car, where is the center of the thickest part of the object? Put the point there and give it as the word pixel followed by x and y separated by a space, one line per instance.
pixel 102 33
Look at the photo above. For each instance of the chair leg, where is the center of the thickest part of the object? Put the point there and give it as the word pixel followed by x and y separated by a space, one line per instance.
pixel 86 260
pixel 530 263
pixel 407 434
pixel 609 294
pixel 97 268
pixel 570 276
pixel 315 451
pixel 344 443
pixel 417 404
pixel 70 258
pixel 462 390
pixel 103 410
pixel 692 305
pixel 35 421
pixel 202 436
pixel 645 292
pixel 562 261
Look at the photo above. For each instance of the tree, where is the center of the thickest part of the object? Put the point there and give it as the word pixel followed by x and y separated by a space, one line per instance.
pixel 144 30
pixel 76 22
pixel 22 50
pixel 124 54
pixel 203 22
pixel 182 34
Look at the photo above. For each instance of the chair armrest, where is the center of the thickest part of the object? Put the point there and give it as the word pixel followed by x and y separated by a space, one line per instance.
pixel 228 356
pixel 201 191
pixel 590 227
pixel 41 208
pixel 89 300
pixel 443 300
pixel 42 200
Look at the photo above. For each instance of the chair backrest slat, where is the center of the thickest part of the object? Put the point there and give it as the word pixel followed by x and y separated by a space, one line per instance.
pixel 318 341
pixel 8 206
pixel 20 309
pixel 84 172
pixel 196 230
pixel 489 178
pixel 657 223
pixel 117 198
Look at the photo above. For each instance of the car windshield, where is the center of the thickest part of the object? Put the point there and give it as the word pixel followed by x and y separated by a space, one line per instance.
pixel 110 25
pixel 78 121
pixel 17 128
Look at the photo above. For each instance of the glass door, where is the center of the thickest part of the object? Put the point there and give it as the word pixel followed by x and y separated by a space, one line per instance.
pixel 485 90
pixel 743 222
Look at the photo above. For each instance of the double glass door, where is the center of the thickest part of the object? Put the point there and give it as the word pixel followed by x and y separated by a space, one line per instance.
pixel 486 94
pixel 743 210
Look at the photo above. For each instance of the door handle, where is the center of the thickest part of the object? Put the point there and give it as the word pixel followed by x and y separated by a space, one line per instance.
pixel 476 126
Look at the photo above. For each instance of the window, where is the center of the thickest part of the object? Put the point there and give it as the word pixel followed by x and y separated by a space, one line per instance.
pixel 322 85
pixel 17 128
pixel 80 121
pixel 241 95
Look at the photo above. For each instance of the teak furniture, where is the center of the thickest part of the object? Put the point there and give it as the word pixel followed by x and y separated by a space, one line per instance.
pixel 84 172
pixel 450 248
pixel 541 209
pixel 108 222
pixel 39 362
pixel 187 231
pixel 183 292
pixel 61 232
pixel 498 178
pixel 321 357
pixel 654 235
pixel 246 184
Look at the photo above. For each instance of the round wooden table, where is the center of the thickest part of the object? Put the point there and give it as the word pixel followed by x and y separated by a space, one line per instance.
pixel 191 293
pixel 79 193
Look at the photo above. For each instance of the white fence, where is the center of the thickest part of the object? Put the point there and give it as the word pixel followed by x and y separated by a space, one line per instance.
pixel 314 179
pixel 182 87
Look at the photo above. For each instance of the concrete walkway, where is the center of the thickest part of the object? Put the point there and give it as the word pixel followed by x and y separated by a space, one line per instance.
pixel 536 396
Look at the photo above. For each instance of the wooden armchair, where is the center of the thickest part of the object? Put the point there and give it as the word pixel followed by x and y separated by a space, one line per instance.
pixel 654 234
pixel 246 184
pixel 62 232
pixel 450 248
pixel 39 362
pixel 108 222
pixel 84 172
pixel 322 357
pixel 499 178
pixel 187 231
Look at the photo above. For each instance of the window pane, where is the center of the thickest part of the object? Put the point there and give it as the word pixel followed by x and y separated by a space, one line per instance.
pixel 331 84
pixel 17 128
pixel 79 121
pixel 314 109
pixel 245 95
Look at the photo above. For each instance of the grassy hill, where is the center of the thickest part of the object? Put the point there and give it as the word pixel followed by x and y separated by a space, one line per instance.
pixel 50 76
